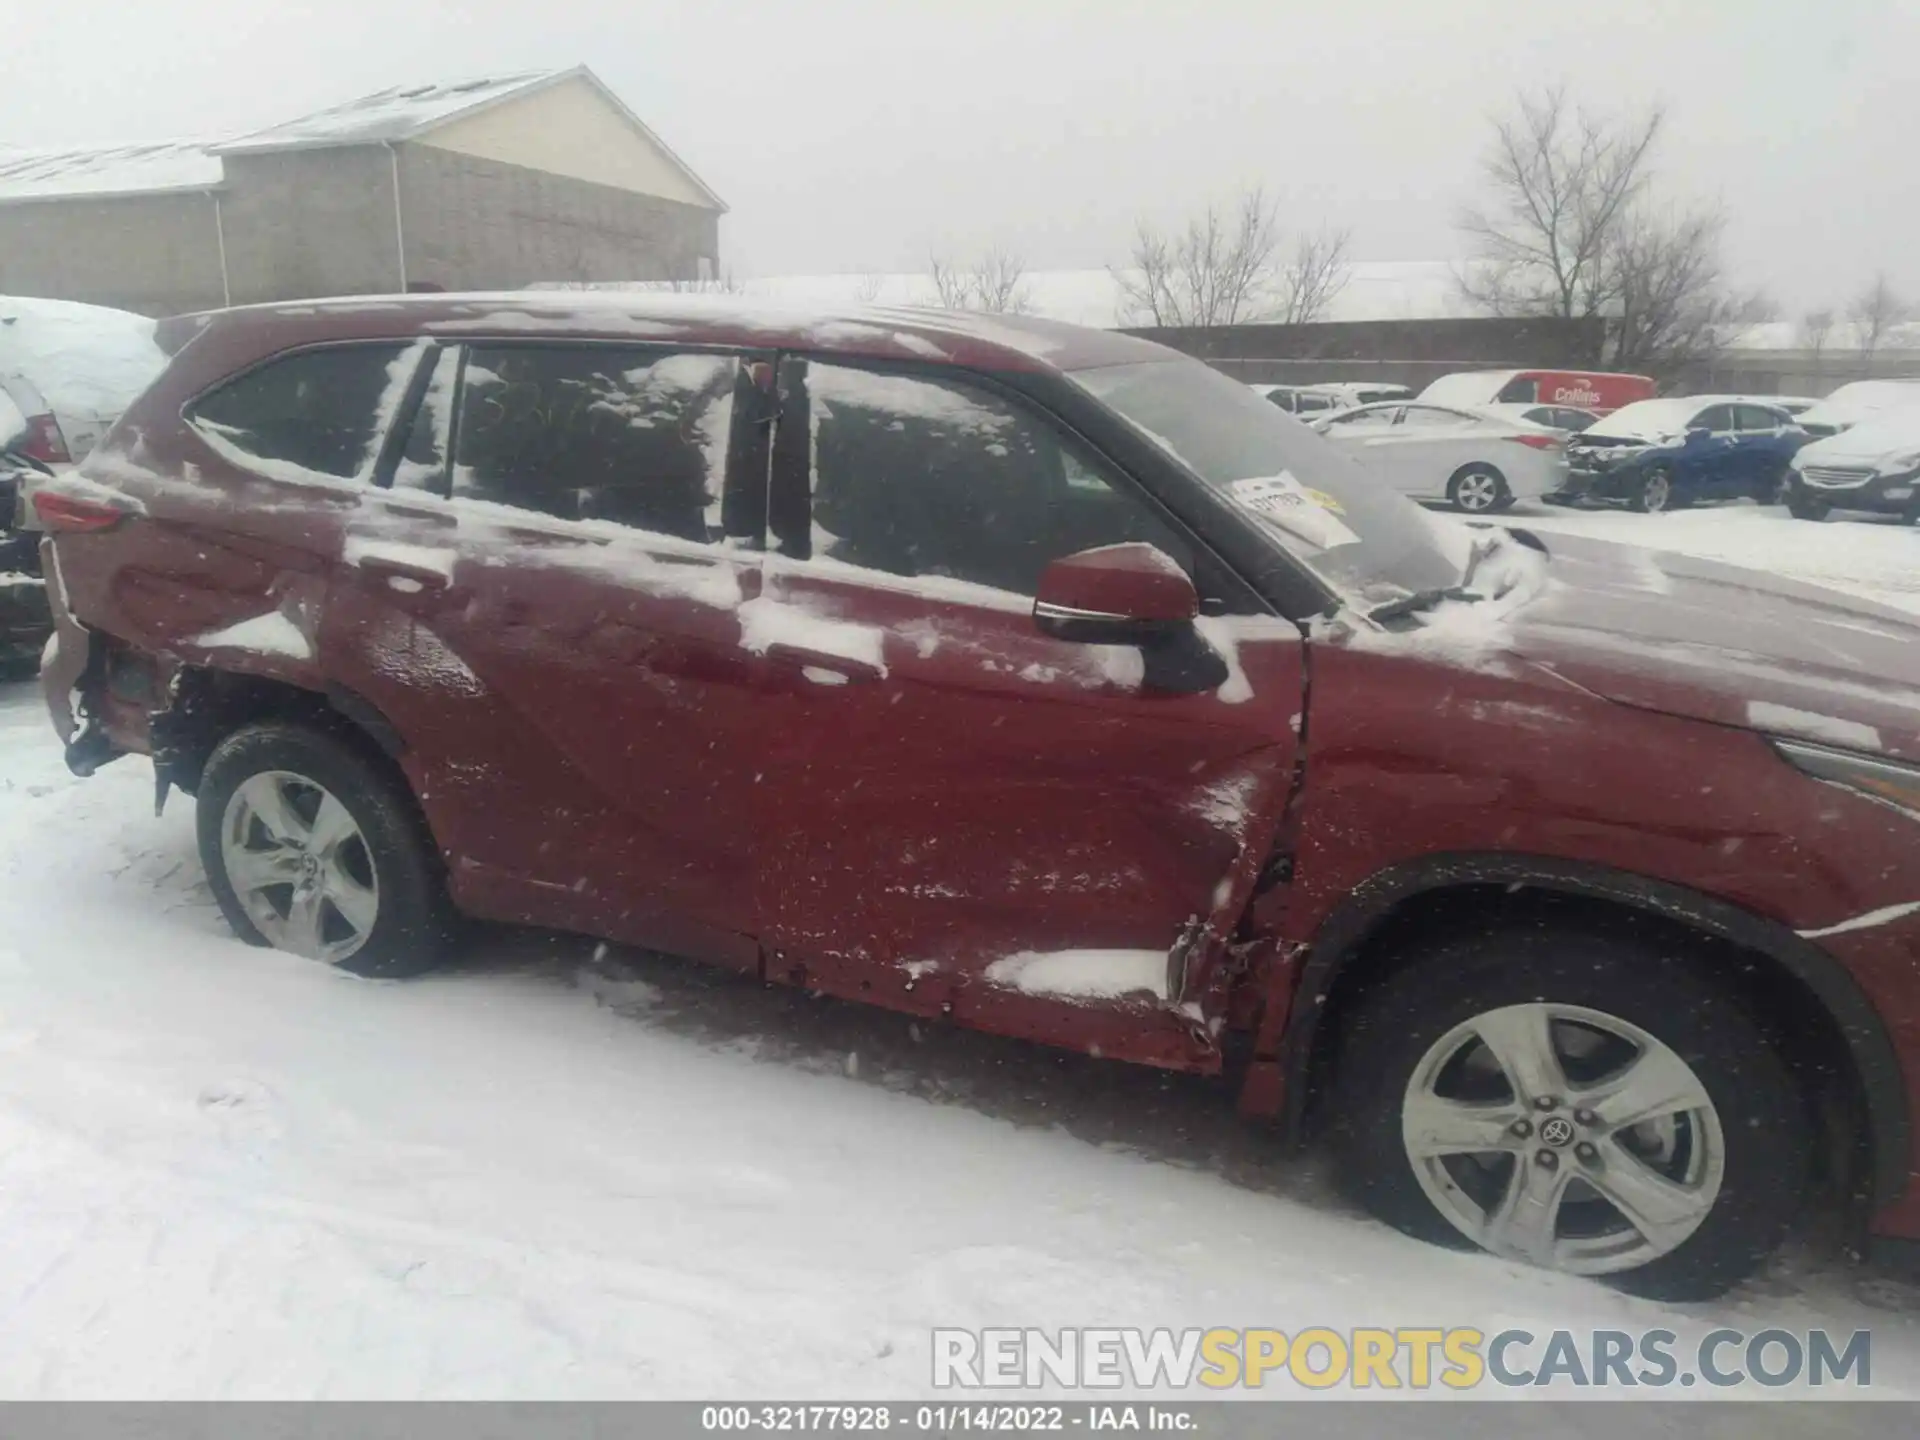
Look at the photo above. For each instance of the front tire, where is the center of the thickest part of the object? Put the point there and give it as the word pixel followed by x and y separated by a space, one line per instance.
pixel 1478 490
pixel 1577 1102
pixel 314 847
pixel 1802 506
pixel 1654 494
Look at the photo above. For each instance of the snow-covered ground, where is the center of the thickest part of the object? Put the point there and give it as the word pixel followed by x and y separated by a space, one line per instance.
pixel 226 1172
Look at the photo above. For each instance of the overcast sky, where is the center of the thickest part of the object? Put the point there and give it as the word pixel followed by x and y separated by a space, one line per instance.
pixel 869 134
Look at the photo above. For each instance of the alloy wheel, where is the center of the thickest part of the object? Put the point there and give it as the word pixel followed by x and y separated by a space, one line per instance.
pixel 299 866
pixel 1563 1137
pixel 1477 491
pixel 1656 491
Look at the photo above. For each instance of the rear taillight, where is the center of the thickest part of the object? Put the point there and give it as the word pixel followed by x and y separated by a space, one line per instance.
pixel 1538 442
pixel 63 514
pixel 45 443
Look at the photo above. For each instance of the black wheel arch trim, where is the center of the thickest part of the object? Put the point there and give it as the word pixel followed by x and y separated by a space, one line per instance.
pixel 1875 1062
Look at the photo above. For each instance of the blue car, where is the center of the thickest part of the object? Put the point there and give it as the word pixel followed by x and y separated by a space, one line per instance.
pixel 1665 454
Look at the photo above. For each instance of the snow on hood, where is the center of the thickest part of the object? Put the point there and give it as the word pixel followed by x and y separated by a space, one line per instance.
pixel 1852 403
pixel 1885 436
pixel 1645 420
pixel 1738 647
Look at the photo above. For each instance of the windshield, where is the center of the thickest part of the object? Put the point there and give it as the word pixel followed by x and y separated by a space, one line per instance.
pixel 1646 420
pixel 1316 503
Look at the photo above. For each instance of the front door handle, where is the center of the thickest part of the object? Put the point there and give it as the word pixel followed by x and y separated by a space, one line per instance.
pixel 817 665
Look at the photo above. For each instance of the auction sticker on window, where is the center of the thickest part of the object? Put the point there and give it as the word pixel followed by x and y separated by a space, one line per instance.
pixel 1308 514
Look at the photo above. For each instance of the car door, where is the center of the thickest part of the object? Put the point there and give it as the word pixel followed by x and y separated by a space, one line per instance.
pixel 1365 433
pixel 966 815
pixel 1426 446
pixel 1762 451
pixel 1706 460
pixel 542 603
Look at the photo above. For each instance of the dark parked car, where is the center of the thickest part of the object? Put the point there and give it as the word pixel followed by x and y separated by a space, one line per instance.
pixel 1665 454
pixel 1049 682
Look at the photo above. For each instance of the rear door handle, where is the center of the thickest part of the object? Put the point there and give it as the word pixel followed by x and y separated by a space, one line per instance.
pixel 425 577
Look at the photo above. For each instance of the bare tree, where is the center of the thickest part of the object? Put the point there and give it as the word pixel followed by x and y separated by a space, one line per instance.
pixel 995 284
pixel 1220 270
pixel 1815 328
pixel 1316 277
pixel 867 289
pixel 1572 230
pixel 1563 182
pixel 1875 312
pixel 723 283
pixel 1674 305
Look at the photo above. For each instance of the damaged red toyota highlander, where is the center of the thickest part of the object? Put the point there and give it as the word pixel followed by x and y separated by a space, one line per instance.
pixel 1047 681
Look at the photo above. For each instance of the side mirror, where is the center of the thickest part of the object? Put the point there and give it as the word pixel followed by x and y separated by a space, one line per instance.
pixel 1695 436
pixel 1127 594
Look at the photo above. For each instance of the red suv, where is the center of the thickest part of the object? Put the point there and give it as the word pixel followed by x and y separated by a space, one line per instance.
pixel 1047 681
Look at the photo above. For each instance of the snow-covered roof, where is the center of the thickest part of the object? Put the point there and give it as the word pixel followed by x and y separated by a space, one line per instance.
pixel 118 170
pixel 398 113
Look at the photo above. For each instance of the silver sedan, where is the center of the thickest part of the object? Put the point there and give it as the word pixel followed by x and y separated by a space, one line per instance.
pixel 1474 460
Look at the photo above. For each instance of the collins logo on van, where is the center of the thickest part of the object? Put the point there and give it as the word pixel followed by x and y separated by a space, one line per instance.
pixel 1575 395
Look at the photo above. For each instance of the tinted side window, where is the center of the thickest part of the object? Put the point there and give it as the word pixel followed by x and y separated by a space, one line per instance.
pixel 598 433
pixel 1756 417
pixel 1717 418
pixel 939 477
pixel 1521 390
pixel 322 411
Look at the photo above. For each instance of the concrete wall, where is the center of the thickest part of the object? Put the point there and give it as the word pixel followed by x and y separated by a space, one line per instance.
pixel 571 129
pixel 154 254
pixel 476 224
pixel 1402 352
pixel 310 222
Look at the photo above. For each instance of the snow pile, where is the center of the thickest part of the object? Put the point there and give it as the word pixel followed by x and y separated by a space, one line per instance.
pixel 269 634
pixel 1083 974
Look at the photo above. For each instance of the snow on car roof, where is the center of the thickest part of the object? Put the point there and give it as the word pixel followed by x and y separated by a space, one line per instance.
pixel 1005 342
pixel 116 170
pixel 89 361
pixel 396 113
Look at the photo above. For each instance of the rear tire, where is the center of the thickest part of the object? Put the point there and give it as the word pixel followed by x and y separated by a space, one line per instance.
pixel 1630 1003
pixel 313 846
pixel 1478 490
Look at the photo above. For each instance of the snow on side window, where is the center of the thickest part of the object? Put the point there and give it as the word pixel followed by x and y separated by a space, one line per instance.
pixel 636 437
pixel 927 477
pixel 316 414
pixel 423 462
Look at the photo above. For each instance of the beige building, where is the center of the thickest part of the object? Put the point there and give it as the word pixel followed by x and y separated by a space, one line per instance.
pixel 490 183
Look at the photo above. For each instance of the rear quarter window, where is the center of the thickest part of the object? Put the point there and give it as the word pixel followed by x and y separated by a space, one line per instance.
pixel 312 413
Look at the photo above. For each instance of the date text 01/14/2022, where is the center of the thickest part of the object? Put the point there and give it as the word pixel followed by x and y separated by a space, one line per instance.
pixel 947 1419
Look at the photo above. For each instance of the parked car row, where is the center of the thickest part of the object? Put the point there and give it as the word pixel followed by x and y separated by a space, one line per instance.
pixel 1858 449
